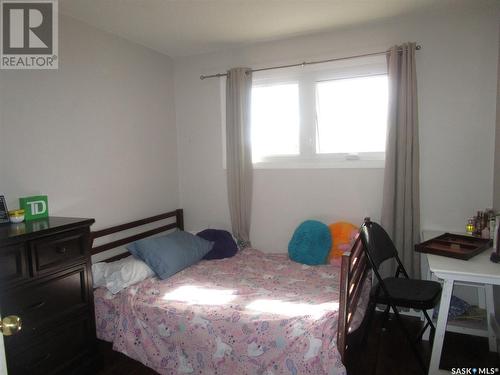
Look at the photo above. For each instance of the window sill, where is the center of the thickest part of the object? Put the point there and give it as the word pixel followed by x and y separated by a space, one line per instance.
pixel 320 164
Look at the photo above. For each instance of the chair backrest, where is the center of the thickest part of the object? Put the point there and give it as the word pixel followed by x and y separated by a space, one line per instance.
pixel 377 243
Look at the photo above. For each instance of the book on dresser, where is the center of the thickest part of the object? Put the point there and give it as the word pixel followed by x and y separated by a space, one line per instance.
pixel 46 281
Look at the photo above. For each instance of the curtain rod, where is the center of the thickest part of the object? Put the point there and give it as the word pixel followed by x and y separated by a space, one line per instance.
pixel 304 63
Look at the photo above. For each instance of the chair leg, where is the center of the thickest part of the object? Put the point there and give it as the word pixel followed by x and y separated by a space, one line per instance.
pixel 431 336
pixel 421 334
pixel 427 324
pixel 429 320
pixel 433 328
pixel 385 317
pixel 408 337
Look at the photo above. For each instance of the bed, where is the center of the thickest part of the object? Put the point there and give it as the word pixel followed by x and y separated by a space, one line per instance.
pixel 254 313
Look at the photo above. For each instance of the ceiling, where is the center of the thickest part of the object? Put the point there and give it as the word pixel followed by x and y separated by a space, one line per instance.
pixel 188 27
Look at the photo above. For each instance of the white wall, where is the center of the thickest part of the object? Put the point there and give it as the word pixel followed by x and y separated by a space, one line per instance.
pixel 456 80
pixel 98 135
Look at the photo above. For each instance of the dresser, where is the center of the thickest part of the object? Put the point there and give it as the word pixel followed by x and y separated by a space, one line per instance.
pixel 46 281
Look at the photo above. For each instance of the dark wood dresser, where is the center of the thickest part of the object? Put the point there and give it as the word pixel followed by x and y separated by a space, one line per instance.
pixel 46 280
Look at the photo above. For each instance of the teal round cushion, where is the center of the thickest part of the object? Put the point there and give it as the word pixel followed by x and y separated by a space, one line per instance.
pixel 310 244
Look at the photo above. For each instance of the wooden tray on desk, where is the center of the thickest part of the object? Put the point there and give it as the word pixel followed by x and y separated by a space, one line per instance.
pixel 454 246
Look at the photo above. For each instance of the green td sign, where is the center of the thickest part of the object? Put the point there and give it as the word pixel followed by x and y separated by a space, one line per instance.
pixel 35 207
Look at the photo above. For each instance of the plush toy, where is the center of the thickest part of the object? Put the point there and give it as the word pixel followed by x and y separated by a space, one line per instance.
pixel 310 243
pixel 343 235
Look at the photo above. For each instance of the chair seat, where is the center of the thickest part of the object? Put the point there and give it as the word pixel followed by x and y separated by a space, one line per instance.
pixel 416 294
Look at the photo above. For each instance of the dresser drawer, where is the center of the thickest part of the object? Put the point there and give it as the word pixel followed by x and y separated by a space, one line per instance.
pixel 13 264
pixel 44 304
pixel 57 250
pixel 55 352
pixel 46 279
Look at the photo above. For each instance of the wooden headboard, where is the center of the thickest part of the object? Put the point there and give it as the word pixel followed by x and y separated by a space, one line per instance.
pixel 178 223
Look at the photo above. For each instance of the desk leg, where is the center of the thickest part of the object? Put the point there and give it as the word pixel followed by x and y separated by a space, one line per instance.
pixel 481 297
pixel 426 335
pixel 490 314
pixel 444 307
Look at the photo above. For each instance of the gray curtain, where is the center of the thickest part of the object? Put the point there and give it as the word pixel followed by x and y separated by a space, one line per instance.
pixel 401 199
pixel 239 152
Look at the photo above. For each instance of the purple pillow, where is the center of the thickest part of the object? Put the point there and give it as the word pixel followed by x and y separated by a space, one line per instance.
pixel 224 245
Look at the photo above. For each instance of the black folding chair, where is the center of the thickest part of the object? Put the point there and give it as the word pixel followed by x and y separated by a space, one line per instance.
pixel 397 291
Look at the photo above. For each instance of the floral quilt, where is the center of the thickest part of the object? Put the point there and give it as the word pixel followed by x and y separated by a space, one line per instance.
pixel 254 313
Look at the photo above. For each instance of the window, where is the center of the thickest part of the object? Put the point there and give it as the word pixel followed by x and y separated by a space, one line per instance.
pixel 351 115
pixel 320 116
pixel 275 120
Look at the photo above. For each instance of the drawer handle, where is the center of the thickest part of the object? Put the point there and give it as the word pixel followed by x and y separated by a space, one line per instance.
pixel 34 306
pixel 60 249
pixel 10 325
pixel 38 361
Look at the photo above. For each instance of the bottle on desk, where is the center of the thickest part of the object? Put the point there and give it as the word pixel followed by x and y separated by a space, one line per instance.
pixel 471 225
pixel 493 224
pixel 495 256
pixel 478 224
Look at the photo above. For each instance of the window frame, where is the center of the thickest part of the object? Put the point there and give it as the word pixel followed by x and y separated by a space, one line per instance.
pixel 307 77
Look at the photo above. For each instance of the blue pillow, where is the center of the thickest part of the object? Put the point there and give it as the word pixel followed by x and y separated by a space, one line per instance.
pixel 167 255
pixel 224 245
pixel 310 244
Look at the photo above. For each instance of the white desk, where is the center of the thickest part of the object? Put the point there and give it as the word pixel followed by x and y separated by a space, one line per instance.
pixel 478 269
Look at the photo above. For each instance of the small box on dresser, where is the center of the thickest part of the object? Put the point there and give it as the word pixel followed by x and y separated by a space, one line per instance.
pixel 46 280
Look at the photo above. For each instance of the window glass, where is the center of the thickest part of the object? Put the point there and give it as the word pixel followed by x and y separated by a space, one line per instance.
pixel 351 115
pixel 275 120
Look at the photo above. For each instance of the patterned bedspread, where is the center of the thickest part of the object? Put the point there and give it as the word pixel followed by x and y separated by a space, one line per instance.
pixel 254 313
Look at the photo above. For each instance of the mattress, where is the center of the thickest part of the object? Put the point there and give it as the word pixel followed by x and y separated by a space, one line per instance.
pixel 254 313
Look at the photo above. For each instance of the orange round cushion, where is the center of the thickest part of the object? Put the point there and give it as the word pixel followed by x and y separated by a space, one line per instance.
pixel 343 236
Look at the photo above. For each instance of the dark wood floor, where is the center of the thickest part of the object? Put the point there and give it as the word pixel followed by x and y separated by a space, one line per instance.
pixel 386 352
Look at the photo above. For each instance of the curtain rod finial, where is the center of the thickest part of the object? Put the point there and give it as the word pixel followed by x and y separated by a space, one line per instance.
pixel 202 77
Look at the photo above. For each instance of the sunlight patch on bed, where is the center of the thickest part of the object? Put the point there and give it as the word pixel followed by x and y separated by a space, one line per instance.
pixel 292 308
pixel 196 295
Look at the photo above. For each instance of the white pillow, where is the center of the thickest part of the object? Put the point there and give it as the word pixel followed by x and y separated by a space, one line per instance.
pixel 98 274
pixel 116 276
